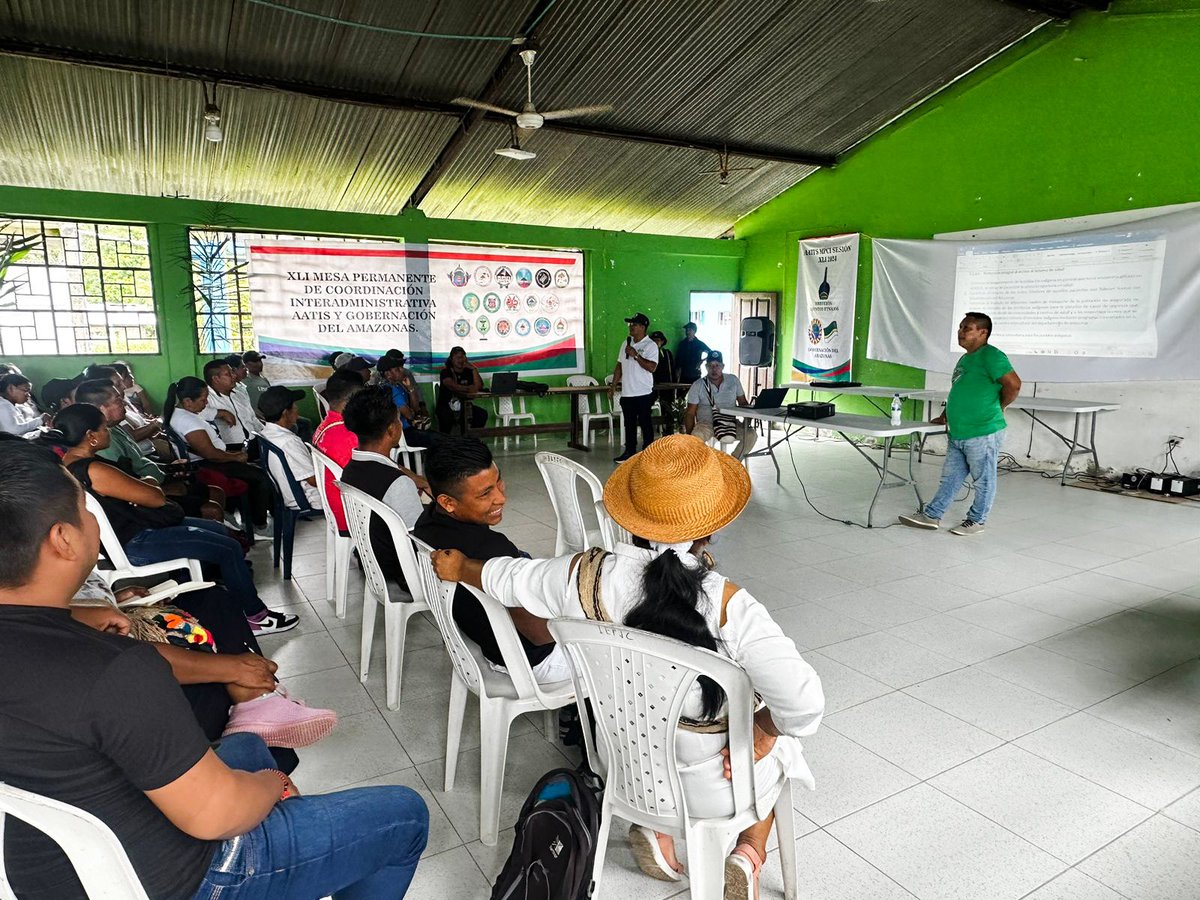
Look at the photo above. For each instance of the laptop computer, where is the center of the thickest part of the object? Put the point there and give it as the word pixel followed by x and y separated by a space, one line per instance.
pixel 770 398
pixel 504 382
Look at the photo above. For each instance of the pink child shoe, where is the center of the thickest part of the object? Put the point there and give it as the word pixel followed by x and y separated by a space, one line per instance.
pixel 281 721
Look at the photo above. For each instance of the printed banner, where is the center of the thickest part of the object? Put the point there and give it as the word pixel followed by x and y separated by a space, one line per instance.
pixel 826 283
pixel 509 309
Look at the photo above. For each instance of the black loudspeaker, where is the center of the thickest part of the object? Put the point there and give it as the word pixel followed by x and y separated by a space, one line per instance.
pixel 757 347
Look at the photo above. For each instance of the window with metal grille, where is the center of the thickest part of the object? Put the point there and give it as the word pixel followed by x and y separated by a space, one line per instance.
pixel 221 284
pixel 75 289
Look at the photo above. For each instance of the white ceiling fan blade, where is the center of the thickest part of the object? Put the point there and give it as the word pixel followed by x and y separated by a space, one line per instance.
pixel 478 104
pixel 577 111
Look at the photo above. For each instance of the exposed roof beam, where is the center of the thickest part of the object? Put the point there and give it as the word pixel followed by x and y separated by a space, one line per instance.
pixel 470 119
pixel 1061 10
pixel 388 101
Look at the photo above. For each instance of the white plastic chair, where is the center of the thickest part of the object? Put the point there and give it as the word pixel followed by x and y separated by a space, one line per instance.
pixel 637 684
pixel 122 568
pixel 99 859
pixel 560 475
pixel 511 411
pixel 502 697
pixel 616 407
pixel 611 533
pixel 337 545
pixel 322 403
pixel 399 605
pixel 584 403
pixel 410 457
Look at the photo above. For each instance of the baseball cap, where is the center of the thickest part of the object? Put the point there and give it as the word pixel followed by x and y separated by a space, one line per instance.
pixel 639 319
pixel 275 401
pixel 341 359
pixel 357 364
pixel 253 356
pixel 714 356
pixel 658 336
pixel 396 354
pixel 234 360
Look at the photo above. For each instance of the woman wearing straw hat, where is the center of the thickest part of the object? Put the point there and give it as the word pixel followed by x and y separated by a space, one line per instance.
pixel 674 496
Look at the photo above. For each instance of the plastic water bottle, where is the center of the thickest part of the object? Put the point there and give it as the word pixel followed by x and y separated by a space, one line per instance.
pixel 897 408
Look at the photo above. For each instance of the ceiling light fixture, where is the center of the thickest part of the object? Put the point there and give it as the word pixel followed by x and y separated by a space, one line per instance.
pixel 212 116
pixel 513 150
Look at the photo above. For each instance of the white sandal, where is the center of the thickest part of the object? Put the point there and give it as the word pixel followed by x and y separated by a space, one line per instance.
pixel 648 855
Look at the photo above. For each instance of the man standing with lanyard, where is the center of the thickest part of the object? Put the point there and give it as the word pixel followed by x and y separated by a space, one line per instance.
pixel 634 375
pixel 983 384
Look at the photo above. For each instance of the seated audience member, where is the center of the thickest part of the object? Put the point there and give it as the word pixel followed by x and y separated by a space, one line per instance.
pixel 468 500
pixel 150 527
pixel 142 428
pixel 15 391
pixel 214 656
pixel 408 404
pixel 665 373
pixel 339 360
pixel 186 399
pixel 134 392
pixel 333 438
pixel 371 416
pixel 409 382
pixel 278 407
pixel 193 822
pixel 255 382
pixel 222 412
pixel 59 393
pixel 673 496
pixel 247 411
pixel 360 367
pixel 714 390
pixel 460 380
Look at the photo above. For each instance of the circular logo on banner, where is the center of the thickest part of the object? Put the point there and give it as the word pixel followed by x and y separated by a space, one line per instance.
pixel 482 324
pixel 522 327
pixel 462 327
pixel 542 326
pixel 550 302
pixel 491 302
pixel 531 302
pixel 524 278
pixel 814 332
pixel 459 277
pixel 543 278
pixel 470 302
pixel 512 302
pixel 560 326
pixel 483 276
pixel 503 276
pixel 561 278
pixel 503 327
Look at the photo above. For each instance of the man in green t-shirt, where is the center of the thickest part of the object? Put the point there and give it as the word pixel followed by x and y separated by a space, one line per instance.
pixel 983 384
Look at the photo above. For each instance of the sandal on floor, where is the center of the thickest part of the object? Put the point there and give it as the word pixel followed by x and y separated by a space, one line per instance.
pixel 648 855
pixel 741 873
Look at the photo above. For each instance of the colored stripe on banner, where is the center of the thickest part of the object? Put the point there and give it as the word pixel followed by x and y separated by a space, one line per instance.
pixel 837 373
pixel 379 252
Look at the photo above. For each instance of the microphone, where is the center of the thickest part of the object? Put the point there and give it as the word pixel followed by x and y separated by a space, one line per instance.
pixel 629 341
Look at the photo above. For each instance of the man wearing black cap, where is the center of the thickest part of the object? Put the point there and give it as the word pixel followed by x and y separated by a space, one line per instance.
pixel 689 353
pixel 278 407
pixel 255 382
pixel 634 377
pixel 361 366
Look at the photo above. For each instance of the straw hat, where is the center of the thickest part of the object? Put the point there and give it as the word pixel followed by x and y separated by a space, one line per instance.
pixel 677 489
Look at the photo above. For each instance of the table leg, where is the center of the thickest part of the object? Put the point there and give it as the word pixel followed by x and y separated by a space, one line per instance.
pixel 912 478
pixel 883 474
pixel 574 440
pixel 1073 449
pixel 1092 442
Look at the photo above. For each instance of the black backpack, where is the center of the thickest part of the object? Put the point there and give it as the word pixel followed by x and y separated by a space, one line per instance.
pixel 555 841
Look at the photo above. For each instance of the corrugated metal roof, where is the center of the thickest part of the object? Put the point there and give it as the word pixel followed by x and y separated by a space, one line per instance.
pixel 804 76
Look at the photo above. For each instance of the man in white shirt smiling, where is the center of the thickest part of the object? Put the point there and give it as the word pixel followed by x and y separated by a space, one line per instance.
pixel 634 377
pixel 278 406
pixel 241 395
pixel 220 410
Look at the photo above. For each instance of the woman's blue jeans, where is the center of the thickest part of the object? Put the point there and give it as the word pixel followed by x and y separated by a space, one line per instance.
pixel 358 844
pixel 975 457
pixel 203 540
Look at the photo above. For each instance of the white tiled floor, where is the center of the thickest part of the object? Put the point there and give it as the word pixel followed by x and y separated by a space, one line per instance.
pixel 1010 715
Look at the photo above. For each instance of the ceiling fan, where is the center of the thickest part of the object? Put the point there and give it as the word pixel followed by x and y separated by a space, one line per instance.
pixel 529 117
pixel 723 168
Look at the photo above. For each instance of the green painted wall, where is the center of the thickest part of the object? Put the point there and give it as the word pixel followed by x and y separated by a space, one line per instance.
pixel 1094 117
pixel 625 272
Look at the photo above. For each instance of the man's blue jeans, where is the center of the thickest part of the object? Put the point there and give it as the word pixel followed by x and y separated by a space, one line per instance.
pixel 359 844
pixel 975 457
pixel 203 540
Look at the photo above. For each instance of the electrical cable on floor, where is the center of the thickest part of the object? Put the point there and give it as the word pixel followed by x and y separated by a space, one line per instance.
pixel 804 490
